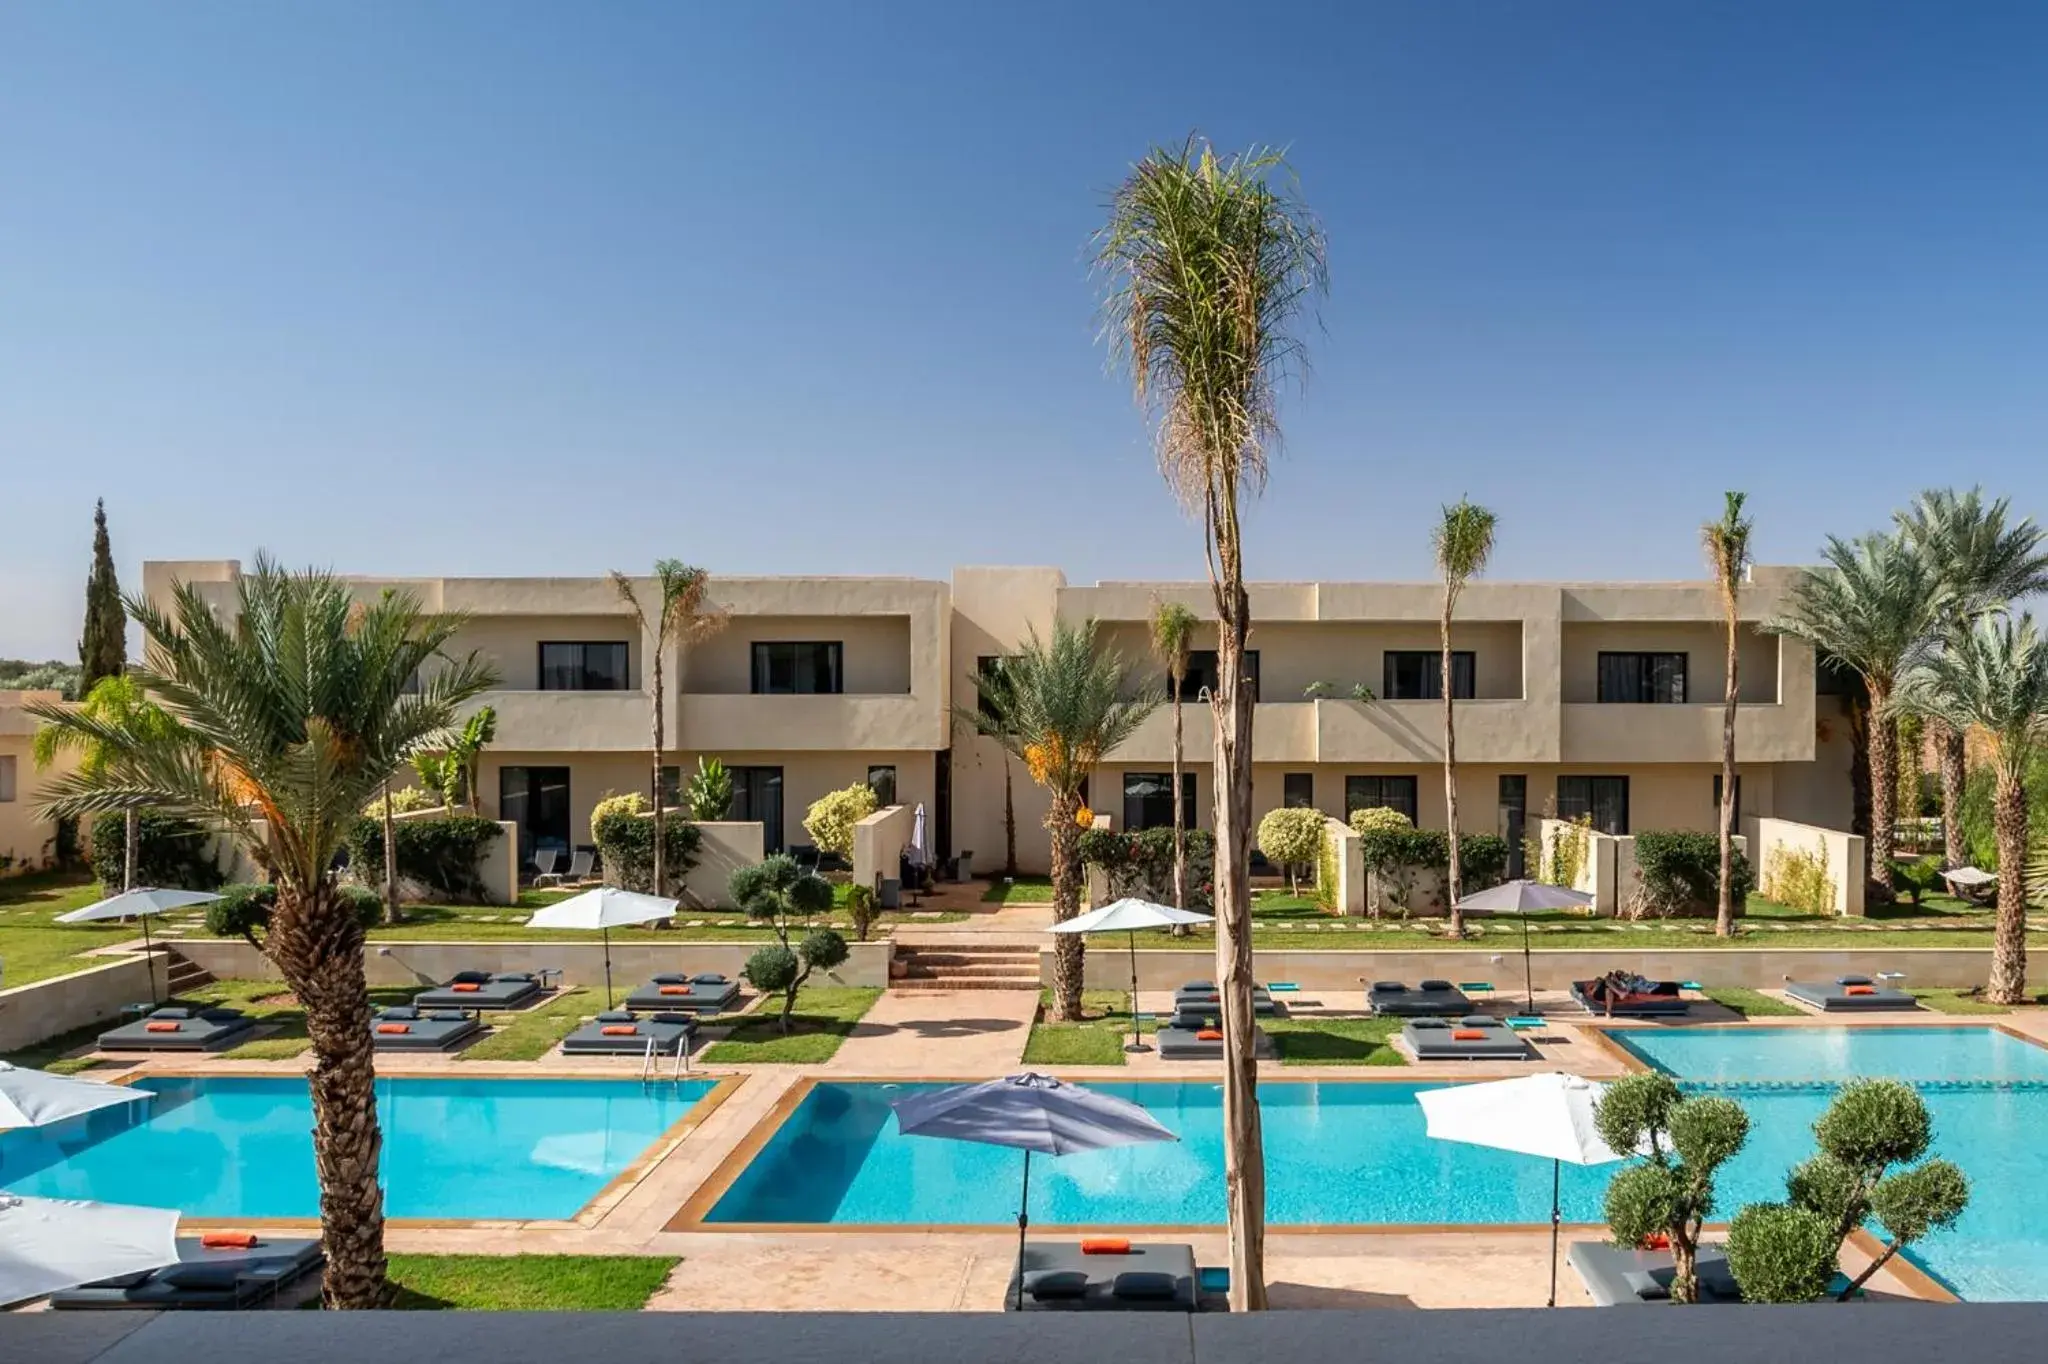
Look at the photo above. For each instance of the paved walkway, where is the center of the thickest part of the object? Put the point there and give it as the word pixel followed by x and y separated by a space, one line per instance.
pixel 961 1032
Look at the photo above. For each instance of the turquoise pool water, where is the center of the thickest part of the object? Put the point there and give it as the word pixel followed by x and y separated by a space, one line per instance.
pixel 1923 1056
pixel 453 1148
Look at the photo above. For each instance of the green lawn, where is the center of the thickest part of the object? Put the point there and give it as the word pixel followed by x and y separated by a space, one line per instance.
pixel 1751 1003
pixel 1964 1002
pixel 1019 890
pixel 271 1002
pixel 1097 1040
pixel 1335 1041
pixel 33 946
pixel 500 923
pixel 528 1283
pixel 530 1034
pixel 824 1016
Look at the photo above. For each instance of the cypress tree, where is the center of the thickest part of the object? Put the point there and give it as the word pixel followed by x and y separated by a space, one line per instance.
pixel 103 649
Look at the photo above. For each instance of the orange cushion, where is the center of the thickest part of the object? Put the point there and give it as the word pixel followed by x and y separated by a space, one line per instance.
pixel 675 989
pixel 394 1027
pixel 229 1240
pixel 1657 1240
pixel 1209 1035
pixel 1859 990
pixel 467 987
pixel 1105 1245
pixel 1468 1034
pixel 161 1025
pixel 618 1030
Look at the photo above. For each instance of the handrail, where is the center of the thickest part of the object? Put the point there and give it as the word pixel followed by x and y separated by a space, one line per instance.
pixel 682 1055
pixel 646 1059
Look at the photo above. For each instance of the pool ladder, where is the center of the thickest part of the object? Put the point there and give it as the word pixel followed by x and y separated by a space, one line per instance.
pixel 648 1058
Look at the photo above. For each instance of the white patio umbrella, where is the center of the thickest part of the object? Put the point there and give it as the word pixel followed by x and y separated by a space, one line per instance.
pixel 605 908
pixel 1547 1115
pixel 35 1098
pixel 1525 898
pixel 1029 1112
pixel 919 857
pixel 1128 916
pixel 50 1244
pixel 139 903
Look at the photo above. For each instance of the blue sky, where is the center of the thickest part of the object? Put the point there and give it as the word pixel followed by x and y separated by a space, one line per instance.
pixel 517 288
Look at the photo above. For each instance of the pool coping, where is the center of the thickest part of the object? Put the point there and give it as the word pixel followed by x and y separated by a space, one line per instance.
pixel 1599 1031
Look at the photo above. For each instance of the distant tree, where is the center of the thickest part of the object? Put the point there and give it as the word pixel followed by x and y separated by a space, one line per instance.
pixel 103 645
pixel 1292 837
pixel 1462 543
pixel 1727 545
pixel 22 674
pixel 120 716
pixel 1173 625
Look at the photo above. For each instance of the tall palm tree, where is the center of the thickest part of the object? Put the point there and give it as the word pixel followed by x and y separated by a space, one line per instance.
pixel 1209 264
pixel 292 711
pixel 1173 625
pixel 1872 606
pixel 1059 707
pixel 1727 544
pixel 1985 563
pixel 118 702
pixel 683 615
pixel 1994 678
pixel 1462 542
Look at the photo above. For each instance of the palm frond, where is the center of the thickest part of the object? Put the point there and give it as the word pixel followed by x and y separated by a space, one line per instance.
pixel 1985 559
pixel 1872 606
pixel 1462 541
pixel 1726 542
pixel 1061 705
pixel 1992 678
pixel 1173 627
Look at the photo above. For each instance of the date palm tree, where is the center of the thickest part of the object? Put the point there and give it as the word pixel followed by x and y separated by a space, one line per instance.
pixel 118 702
pixel 1060 706
pixel 1209 263
pixel 1461 544
pixel 1986 562
pixel 683 615
pixel 1173 625
pixel 1872 606
pixel 1727 544
pixel 292 710
pixel 1994 678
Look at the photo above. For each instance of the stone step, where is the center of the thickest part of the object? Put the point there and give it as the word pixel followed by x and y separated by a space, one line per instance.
pixel 920 971
pixel 955 958
pixel 941 984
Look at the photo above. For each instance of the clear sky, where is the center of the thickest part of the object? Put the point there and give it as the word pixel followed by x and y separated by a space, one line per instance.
pixel 511 288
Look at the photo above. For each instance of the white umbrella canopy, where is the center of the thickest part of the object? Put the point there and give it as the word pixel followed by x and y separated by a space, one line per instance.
pixel 34 1098
pixel 140 903
pixel 1128 916
pixel 1524 897
pixel 604 908
pixel 919 856
pixel 50 1244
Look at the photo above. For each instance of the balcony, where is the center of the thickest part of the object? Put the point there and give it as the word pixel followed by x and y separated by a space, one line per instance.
pixel 543 721
pixel 1282 732
pixel 746 723
pixel 1489 731
pixel 1595 733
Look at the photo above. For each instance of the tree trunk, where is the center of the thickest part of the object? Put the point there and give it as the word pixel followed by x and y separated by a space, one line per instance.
pixel 1858 711
pixel 1454 877
pixel 131 833
pixel 1849 1291
pixel 1068 960
pixel 2009 942
pixel 391 914
pixel 1009 822
pixel 317 943
pixel 1955 776
pixel 1884 787
pixel 1724 903
pixel 660 852
pixel 1180 823
pixel 1685 1283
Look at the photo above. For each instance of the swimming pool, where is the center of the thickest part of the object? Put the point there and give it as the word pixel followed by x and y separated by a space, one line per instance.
pixel 222 1148
pixel 1922 1056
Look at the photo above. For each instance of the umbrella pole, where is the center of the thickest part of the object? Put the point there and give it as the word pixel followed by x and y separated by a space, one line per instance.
pixel 1528 979
pixel 1137 1031
pixel 1556 1175
pixel 1023 1220
pixel 149 959
pixel 607 967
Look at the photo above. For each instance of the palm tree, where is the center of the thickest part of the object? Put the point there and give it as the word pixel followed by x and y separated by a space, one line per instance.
pixel 119 703
pixel 1059 707
pixel 1985 564
pixel 1172 627
pixel 1872 606
pixel 292 711
pixel 1994 678
pixel 1462 543
pixel 1727 545
pixel 682 615
pixel 1209 264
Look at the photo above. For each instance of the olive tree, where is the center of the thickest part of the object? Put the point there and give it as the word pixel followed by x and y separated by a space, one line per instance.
pixel 778 892
pixel 1685 1141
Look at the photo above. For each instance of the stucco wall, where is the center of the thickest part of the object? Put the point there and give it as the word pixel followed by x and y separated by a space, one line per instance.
pixel 1704 644
pixel 878 843
pixel 513 643
pixel 1845 856
pixel 25 836
pixel 875 659
pixel 727 846
pixel 49 1008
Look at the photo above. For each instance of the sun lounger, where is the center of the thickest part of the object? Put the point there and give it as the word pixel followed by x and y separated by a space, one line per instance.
pixel 1850 994
pixel 1185 1037
pixel 225 1277
pixel 1474 1038
pixel 482 990
pixel 706 993
pixel 618 1033
pixel 1060 1277
pixel 407 1027
pixel 1621 1277
pixel 1203 994
pixel 1433 999
pixel 173 1028
pixel 1619 994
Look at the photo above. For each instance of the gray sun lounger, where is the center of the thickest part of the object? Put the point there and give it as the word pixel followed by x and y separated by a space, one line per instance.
pixel 1180 1040
pixel 705 993
pixel 1834 997
pixel 1203 994
pixel 197 1030
pixel 1436 1039
pixel 664 1029
pixel 1621 1277
pixel 1057 1277
pixel 425 1029
pixel 224 1278
pixel 503 990
pixel 1433 999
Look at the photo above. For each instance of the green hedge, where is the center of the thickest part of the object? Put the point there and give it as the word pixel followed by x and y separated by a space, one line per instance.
pixel 440 854
pixel 1141 864
pixel 626 843
pixel 170 854
pixel 1482 858
pixel 1680 873
pixel 243 909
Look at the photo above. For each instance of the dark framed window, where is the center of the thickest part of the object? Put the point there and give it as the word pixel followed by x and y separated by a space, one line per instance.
pixel 1717 802
pixel 988 678
pixel 671 786
pixel 1201 674
pixel 757 795
pixel 1418 675
pixel 572 665
pixel 1603 799
pixel 1148 800
pixel 798 667
pixel 882 781
pixel 1298 790
pixel 1379 793
pixel 1635 678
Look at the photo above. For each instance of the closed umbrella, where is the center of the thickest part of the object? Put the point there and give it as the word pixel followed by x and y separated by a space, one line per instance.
pixel 1525 898
pixel 1548 1115
pixel 919 856
pixel 1029 1112
pixel 35 1098
pixel 140 904
pixel 1127 916
pixel 605 908
pixel 50 1244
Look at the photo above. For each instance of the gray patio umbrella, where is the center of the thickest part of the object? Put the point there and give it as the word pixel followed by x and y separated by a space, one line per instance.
pixel 1525 898
pixel 1030 1112
pixel 139 903
pixel 1127 916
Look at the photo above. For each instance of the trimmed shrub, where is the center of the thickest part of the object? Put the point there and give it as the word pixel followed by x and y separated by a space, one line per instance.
pixel 438 855
pixel 1291 838
pixel 1917 876
pixel 1780 1252
pixel 1141 864
pixel 170 853
pixel 1395 852
pixel 1327 873
pixel 631 803
pixel 1678 875
pixel 404 801
pixel 244 909
pixel 1670 1192
pixel 1376 818
pixel 831 818
pixel 625 841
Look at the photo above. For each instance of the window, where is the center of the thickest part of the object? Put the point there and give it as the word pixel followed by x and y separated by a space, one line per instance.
pixel 7 777
pixel 1298 790
pixel 1201 674
pixel 1604 799
pixel 1148 800
pixel 1373 793
pixel 757 795
pixel 882 781
pixel 1418 675
pixel 988 677
pixel 797 669
pixel 1716 818
pixel 583 667
pixel 1636 678
pixel 671 786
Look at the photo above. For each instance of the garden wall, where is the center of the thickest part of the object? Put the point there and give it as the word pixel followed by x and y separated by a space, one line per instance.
pixel 727 846
pixel 47 1008
pixel 1842 855
pixel 1608 870
pixel 878 844
pixel 1348 860
pixel 497 862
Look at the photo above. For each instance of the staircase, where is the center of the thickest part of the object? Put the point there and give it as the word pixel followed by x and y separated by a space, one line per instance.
pixel 967 966
pixel 179 972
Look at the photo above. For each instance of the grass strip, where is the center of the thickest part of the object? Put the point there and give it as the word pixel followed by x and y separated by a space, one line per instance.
pixel 823 1018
